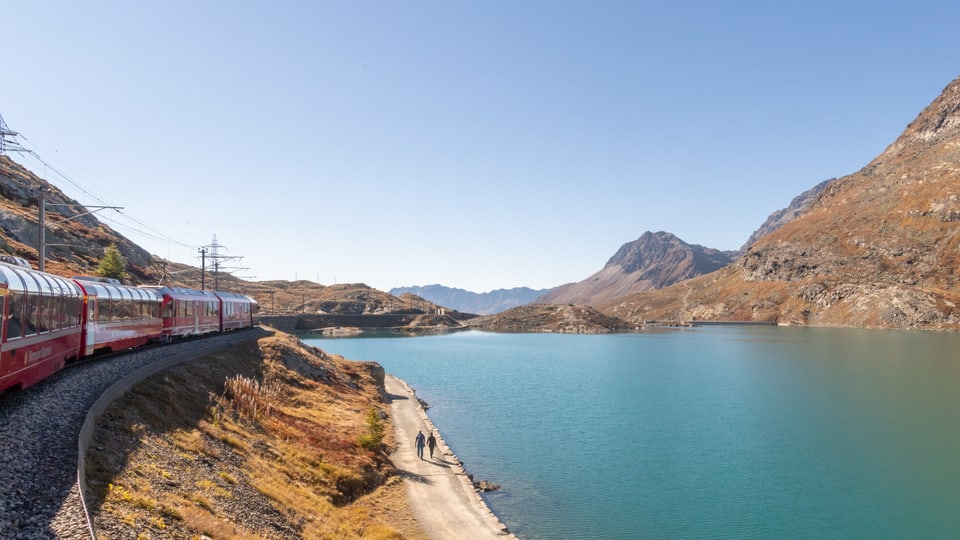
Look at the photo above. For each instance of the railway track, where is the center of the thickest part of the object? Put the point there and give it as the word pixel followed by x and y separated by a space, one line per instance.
pixel 39 432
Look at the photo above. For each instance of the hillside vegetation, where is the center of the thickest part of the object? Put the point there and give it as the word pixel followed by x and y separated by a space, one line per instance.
pixel 270 439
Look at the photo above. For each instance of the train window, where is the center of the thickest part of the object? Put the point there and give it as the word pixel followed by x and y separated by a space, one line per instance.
pixel 73 306
pixel 15 315
pixel 129 305
pixel 119 307
pixel 49 319
pixel 126 308
pixel 59 313
pixel 31 313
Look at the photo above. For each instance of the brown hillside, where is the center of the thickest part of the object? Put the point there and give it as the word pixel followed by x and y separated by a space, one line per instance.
pixel 563 319
pixel 75 240
pixel 263 440
pixel 877 248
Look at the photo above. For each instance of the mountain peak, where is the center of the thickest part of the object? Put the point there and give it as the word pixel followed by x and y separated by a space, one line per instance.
pixel 653 261
pixel 938 122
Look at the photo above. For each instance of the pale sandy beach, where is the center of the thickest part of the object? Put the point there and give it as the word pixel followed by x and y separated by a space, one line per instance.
pixel 443 499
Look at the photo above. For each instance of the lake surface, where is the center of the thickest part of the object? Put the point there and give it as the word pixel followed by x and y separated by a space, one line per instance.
pixel 721 432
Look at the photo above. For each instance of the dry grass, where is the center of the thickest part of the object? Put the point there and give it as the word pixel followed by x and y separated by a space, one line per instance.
pixel 239 445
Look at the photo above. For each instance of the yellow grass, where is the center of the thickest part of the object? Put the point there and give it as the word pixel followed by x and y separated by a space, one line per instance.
pixel 239 435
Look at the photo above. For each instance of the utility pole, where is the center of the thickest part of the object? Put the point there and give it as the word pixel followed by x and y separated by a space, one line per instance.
pixel 203 267
pixel 42 240
pixel 42 222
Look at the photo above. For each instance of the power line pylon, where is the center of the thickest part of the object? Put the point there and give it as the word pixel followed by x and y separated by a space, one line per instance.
pixel 8 140
pixel 212 252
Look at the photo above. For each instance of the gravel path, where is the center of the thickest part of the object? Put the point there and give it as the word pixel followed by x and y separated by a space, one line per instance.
pixel 39 429
pixel 442 497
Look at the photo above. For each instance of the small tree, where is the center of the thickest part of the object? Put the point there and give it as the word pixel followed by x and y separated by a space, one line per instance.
pixel 375 430
pixel 112 264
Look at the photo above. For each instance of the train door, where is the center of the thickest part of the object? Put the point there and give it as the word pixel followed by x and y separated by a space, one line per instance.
pixel 91 327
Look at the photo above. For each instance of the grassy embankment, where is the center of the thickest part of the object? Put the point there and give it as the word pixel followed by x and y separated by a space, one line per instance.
pixel 258 441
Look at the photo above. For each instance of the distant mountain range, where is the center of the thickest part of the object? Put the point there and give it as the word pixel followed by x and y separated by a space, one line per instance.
pixel 471 302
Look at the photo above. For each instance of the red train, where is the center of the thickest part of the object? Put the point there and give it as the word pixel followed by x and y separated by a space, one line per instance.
pixel 47 321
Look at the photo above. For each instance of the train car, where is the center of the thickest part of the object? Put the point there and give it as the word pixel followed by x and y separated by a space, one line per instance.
pixel 187 312
pixel 118 317
pixel 236 311
pixel 41 326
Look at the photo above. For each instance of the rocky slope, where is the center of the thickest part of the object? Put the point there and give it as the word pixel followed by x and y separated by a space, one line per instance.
pixel 653 261
pixel 563 319
pixel 778 219
pixel 470 302
pixel 877 248
pixel 75 241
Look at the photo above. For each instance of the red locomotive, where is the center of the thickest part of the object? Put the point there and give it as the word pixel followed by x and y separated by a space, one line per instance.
pixel 47 321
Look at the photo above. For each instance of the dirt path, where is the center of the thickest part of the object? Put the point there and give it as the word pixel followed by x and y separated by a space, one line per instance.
pixel 443 499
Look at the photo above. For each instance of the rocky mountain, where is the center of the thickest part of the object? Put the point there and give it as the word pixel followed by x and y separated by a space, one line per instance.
pixel 877 248
pixel 653 261
pixel 777 219
pixel 471 302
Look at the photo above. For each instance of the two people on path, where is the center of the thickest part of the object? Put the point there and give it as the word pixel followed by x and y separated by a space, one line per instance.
pixel 420 441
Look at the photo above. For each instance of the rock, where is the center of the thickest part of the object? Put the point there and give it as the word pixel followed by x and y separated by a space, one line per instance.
pixel 486 485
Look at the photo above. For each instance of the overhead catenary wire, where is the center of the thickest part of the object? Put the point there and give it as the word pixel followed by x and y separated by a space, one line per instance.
pixel 155 234
pixel 121 224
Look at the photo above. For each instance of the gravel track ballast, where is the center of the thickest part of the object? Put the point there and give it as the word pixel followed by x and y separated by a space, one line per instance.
pixel 39 429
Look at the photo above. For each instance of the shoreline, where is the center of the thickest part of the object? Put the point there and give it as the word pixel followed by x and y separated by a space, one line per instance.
pixel 439 490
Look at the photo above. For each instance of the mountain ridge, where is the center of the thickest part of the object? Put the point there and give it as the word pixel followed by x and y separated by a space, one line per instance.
pixel 652 261
pixel 466 301
pixel 878 248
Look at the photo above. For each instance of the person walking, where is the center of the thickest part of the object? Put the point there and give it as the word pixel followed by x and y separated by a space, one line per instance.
pixel 419 443
pixel 432 443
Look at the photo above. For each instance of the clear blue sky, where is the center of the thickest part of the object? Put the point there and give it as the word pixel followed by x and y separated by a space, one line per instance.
pixel 482 145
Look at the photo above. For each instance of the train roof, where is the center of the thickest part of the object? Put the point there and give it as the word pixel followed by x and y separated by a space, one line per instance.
pixel 234 296
pixel 116 290
pixel 179 292
pixel 25 279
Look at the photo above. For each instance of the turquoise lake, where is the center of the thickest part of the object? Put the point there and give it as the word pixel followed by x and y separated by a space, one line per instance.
pixel 716 432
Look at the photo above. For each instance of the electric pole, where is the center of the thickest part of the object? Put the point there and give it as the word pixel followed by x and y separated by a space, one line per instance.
pixel 203 267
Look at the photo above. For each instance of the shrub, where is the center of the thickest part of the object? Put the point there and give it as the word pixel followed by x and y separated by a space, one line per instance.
pixel 372 439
